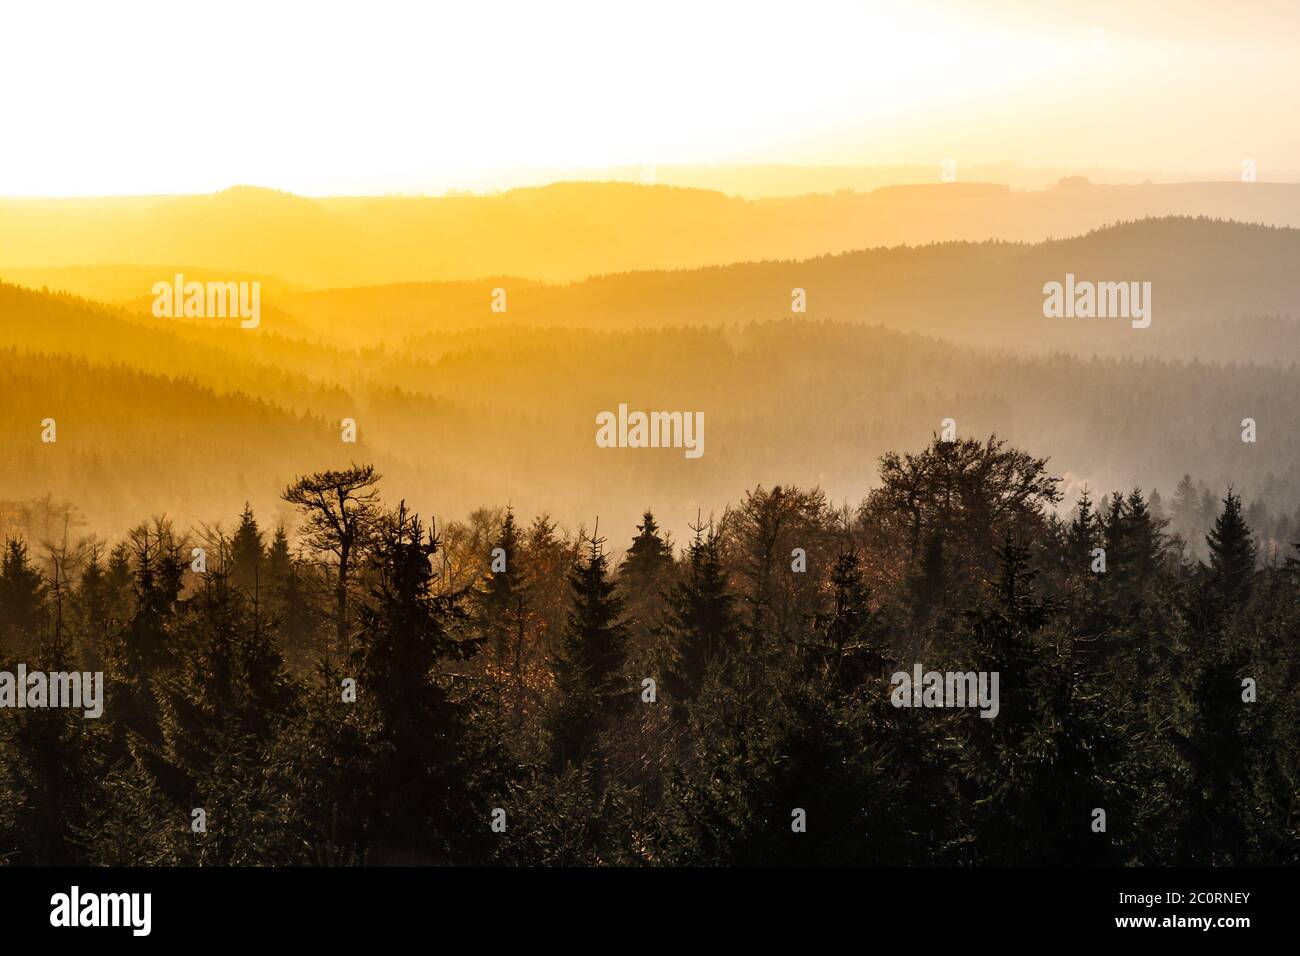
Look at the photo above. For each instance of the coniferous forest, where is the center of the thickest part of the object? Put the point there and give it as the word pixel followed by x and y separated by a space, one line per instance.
pixel 596 472
pixel 369 687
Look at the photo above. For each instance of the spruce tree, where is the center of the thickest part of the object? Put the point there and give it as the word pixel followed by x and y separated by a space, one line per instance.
pixel 1145 542
pixel 499 593
pixel 246 554
pixel 92 616
pixel 502 617
pixel 642 577
pixel 22 601
pixel 52 770
pixel 1081 538
pixel 699 626
pixel 278 557
pixel 296 615
pixel 1232 556
pixel 590 689
pixel 650 555
pixel 851 649
pixel 410 645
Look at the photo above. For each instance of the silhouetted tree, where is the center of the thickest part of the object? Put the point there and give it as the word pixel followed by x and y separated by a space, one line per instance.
pixel 246 554
pixel 699 626
pixel 1232 555
pixel 590 689
pixel 341 508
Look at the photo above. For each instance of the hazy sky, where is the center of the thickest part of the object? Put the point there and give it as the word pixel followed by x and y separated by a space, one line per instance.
pixel 379 96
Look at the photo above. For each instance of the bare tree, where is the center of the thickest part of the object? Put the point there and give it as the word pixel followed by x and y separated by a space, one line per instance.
pixel 341 509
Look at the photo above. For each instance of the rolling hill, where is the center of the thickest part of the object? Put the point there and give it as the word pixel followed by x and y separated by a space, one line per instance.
pixel 569 231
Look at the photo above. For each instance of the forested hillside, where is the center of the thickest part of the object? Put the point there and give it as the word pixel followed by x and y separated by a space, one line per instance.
pixel 203 415
pixel 501 690
pixel 1221 291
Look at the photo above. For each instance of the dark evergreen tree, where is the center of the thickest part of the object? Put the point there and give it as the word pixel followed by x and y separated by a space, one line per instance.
pixel 51 769
pixel 22 602
pixel 699 626
pixel 499 609
pixel 1163 693
pixel 92 613
pixel 851 646
pixel 649 557
pixel 247 555
pixel 279 560
pixel 643 576
pixel 1232 556
pixel 436 776
pixel 591 689
pixel 297 617
pixel 1186 516
pixel 1081 538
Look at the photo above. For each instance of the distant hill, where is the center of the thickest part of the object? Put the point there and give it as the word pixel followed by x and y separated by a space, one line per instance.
pixel 1220 291
pixel 193 420
pixel 569 231
pixel 157 417
pixel 756 181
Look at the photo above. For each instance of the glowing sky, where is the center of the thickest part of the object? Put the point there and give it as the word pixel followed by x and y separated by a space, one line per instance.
pixel 379 96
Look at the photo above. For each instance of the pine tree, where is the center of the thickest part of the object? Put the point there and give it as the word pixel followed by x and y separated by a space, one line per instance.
pixel 1156 504
pixel 1211 744
pixel 590 689
pixel 1145 543
pixel 643 576
pixel 119 579
pixel 1114 536
pixel 851 647
pixel 22 601
pixel 297 617
pixel 141 653
pixel 1232 556
pixel 699 627
pixel 499 594
pixel 1081 538
pixel 50 774
pixel 549 558
pixel 502 617
pixel 246 554
pixel 1047 746
pixel 409 645
pixel 92 613
pixel 278 558
pixel 650 555
pixel 1186 511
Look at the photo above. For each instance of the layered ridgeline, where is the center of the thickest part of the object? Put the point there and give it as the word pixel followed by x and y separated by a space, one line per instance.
pixel 567 231
pixel 459 406
pixel 1208 290
pixel 1200 288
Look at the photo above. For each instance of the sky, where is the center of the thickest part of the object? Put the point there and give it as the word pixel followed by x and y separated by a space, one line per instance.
pixel 386 97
